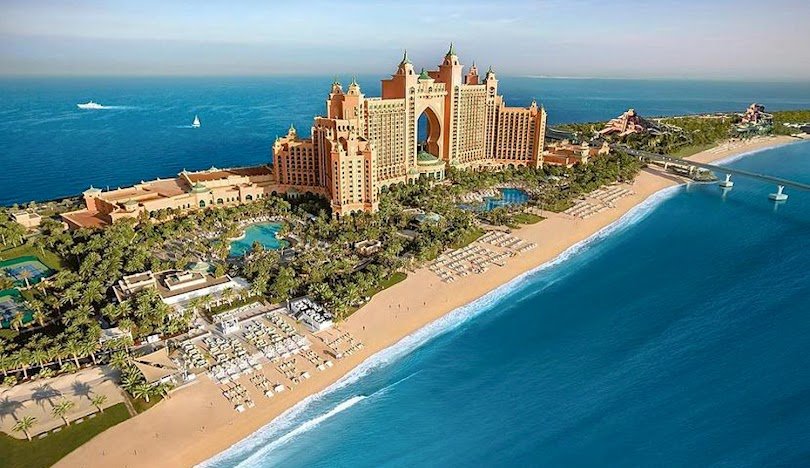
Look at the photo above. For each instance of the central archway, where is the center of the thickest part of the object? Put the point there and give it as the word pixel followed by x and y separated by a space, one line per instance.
pixel 429 132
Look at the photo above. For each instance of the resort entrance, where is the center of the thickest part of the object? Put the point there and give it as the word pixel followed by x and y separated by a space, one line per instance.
pixel 429 132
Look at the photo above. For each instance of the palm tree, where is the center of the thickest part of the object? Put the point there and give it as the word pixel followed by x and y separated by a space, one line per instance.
pixel 26 275
pixel 17 321
pixel 119 360
pixel 75 349
pixel 142 390
pixel 22 359
pixel 61 409
pixel 38 309
pixel 98 400
pixel 70 295
pixel 24 425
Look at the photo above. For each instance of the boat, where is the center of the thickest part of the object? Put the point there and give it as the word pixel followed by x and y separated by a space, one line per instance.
pixel 196 123
pixel 90 105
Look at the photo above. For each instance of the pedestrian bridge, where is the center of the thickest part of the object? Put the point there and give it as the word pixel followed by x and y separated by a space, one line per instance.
pixel 691 166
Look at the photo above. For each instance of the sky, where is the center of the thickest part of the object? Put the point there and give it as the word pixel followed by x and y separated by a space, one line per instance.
pixel 720 39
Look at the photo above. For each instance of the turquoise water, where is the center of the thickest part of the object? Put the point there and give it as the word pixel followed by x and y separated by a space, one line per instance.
pixel 263 233
pixel 51 149
pixel 509 196
pixel 676 337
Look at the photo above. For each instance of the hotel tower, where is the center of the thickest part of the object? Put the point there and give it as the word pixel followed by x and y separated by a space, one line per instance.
pixel 364 144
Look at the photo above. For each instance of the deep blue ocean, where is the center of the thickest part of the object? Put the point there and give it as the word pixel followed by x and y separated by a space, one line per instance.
pixel 49 148
pixel 677 337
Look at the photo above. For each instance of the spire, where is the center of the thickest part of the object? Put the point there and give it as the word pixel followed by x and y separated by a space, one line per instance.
pixel 452 51
pixel 424 75
pixel 354 81
pixel 405 58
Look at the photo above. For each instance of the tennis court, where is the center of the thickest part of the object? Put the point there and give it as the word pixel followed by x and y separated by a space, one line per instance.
pixel 18 269
pixel 10 304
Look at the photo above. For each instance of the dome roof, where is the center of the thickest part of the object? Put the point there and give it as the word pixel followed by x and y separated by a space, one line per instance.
pixel 199 188
pixel 423 158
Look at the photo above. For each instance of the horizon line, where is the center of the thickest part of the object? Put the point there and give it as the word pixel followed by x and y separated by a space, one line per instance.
pixel 368 74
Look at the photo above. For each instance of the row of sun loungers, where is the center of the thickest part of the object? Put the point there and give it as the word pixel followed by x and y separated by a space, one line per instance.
pixel 598 201
pixel 238 395
pixel 475 259
pixel 507 241
pixel 192 356
pixel 232 360
pixel 289 370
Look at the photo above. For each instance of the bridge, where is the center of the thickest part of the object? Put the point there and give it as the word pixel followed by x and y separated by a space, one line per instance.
pixel 728 171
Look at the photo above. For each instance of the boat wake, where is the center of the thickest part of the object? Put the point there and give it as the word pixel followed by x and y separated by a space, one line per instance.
pixel 456 318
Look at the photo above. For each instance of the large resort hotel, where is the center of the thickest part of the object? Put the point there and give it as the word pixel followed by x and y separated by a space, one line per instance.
pixel 361 146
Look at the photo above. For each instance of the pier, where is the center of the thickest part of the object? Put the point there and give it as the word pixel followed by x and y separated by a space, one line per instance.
pixel 691 166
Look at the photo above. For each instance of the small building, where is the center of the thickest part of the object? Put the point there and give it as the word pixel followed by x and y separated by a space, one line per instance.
pixel 368 247
pixel 568 154
pixel 227 322
pixel 178 287
pixel 310 313
pixel 27 219
pixel 426 218
pixel 112 334
pixel 131 284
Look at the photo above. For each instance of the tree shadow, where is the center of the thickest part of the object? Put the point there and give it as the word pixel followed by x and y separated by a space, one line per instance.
pixel 81 389
pixel 9 407
pixel 44 393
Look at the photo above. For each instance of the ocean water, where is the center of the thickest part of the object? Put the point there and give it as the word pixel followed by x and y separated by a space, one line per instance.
pixel 678 336
pixel 49 148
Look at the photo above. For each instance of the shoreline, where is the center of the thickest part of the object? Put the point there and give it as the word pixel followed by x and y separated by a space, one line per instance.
pixel 196 424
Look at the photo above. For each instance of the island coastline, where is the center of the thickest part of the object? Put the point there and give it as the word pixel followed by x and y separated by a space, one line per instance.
pixel 196 423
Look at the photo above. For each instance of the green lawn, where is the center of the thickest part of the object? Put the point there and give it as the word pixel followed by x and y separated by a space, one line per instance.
pixel 527 218
pixel 49 259
pixel 467 239
pixel 45 452
pixel 388 282
pixel 687 151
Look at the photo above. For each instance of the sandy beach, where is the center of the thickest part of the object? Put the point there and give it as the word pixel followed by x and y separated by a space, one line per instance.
pixel 196 423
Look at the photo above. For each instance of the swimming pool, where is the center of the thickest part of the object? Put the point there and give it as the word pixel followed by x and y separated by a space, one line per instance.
pixel 263 233
pixel 509 196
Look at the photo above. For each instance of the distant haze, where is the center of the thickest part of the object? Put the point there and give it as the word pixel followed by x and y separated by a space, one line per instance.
pixel 740 39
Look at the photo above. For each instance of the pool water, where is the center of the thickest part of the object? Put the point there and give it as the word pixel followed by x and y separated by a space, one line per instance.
pixel 264 233
pixel 509 196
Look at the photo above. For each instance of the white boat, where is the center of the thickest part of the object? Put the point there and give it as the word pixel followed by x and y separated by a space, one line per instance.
pixel 90 105
pixel 196 123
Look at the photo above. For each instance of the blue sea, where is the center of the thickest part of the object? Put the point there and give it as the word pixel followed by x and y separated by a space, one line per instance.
pixel 50 149
pixel 678 336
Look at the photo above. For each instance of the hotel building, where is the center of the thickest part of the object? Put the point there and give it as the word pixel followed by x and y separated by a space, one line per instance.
pixel 358 148
pixel 362 144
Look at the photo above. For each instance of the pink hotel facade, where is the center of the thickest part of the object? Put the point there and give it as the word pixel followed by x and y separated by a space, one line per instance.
pixel 360 146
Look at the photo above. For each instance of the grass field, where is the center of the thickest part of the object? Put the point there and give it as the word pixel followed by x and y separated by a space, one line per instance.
pixel 45 452
pixel 471 237
pixel 527 218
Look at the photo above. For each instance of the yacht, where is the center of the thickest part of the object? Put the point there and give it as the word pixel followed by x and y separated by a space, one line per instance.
pixel 90 105
pixel 196 123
